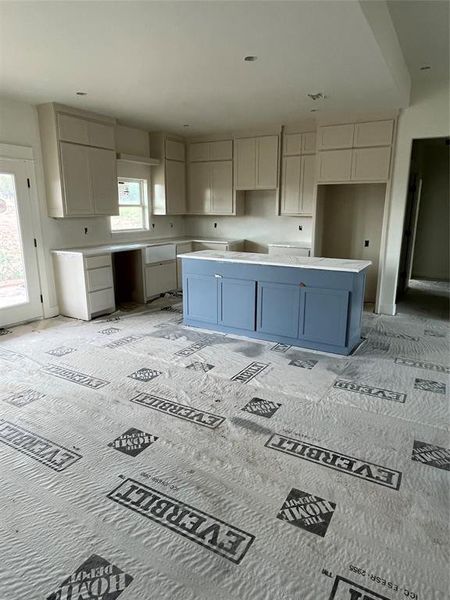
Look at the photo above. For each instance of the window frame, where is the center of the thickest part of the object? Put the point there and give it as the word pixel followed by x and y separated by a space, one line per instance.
pixel 143 205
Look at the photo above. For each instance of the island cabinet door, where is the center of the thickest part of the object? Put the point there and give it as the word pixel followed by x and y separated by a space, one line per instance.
pixel 278 309
pixel 200 293
pixel 324 315
pixel 237 300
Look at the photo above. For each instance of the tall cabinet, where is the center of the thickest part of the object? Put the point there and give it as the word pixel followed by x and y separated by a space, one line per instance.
pixel 210 178
pixel 79 158
pixel 298 170
pixel 169 177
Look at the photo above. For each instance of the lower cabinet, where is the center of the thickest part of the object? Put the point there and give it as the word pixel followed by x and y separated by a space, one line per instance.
pixel 278 308
pixel 200 292
pixel 237 299
pixel 323 315
pixel 160 278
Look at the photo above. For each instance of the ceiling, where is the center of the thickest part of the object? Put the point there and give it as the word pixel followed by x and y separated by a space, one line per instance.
pixel 423 30
pixel 161 65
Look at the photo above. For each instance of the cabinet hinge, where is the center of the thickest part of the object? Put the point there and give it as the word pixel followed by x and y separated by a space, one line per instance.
pixel 42 298
pixel 35 242
pixel 28 182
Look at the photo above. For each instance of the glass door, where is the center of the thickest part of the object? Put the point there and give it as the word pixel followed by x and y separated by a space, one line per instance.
pixel 19 278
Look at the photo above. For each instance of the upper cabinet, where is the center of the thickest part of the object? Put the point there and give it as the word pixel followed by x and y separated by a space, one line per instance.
pixel 355 152
pixel 256 163
pixel 210 178
pixel 79 162
pixel 298 174
pixel 169 177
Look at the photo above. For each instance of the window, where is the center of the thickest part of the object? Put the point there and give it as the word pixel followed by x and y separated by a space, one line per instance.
pixel 133 206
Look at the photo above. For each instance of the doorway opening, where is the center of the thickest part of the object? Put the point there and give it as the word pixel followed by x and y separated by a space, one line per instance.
pixel 424 270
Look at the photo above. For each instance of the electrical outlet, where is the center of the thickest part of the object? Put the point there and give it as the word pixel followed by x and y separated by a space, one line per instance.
pixel 366 243
pixel 153 226
pixel 85 230
pixel 300 227
pixel 171 225
pixel 215 225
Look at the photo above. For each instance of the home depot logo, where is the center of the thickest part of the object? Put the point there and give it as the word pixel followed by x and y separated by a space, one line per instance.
pixel 95 579
pixel 344 589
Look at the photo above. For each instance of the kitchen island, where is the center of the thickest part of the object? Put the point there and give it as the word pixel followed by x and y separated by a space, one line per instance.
pixel 314 303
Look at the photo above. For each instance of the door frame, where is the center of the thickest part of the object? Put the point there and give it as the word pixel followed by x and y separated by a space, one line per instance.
pixel 25 154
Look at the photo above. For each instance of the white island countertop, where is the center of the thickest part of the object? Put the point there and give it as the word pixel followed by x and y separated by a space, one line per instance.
pixel 303 262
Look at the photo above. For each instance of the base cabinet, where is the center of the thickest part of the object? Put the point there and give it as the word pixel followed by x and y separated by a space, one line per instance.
pixel 237 299
pixel 323 315
pixel 316 309
pixel 278 308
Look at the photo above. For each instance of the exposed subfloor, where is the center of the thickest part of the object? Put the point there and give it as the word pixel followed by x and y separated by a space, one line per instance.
pixel 143 459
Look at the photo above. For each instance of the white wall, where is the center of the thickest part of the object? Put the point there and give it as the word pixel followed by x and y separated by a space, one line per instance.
pixel 19 126
pixel 428 116
pixel 431 249
pixel 258 223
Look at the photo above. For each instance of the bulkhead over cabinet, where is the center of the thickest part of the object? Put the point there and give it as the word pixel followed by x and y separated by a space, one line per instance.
pixel 79 162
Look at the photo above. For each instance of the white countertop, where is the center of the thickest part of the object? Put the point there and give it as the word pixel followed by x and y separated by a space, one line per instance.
pixel 124 246
pixel 303 262
pixel 290 244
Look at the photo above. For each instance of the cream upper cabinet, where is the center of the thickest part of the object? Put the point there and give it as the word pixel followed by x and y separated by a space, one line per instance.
pixel 371 164
pixel 308 183
pixel 76 180
pixel 245 163
pixel 216 150
pixel 104 188
pixel 292 144
pixel 334 165
pixel 373 133
pixel 199 200
pixel 168 181
pixel 199 151
pixel 330 137
pixel 175 150
pixel 256 163
pixel 298 183
pixel 211 188
pixel 221 185
pixel 175 187
pixel 267 162
pixel 78 149
pixel 309 142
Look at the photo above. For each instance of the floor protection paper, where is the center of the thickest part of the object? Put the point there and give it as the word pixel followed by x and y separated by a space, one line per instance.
pixel 141 459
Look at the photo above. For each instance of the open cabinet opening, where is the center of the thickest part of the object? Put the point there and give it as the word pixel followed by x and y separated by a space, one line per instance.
pixel 349 222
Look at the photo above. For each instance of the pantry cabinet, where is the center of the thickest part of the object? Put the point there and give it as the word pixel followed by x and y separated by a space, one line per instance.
pixel 256 163
pixel 298 174
pixel 79 162
pixel 169 177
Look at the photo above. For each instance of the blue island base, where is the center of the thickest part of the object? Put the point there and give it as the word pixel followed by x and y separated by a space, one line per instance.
pixel 310 308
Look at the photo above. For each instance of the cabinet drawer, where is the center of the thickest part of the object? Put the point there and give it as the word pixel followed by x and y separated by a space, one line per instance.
pixel 335 136
pixel 157 254
pixel 94 262
pixel 73 129
pixel 102 300
pixel 175 150
pixel 99 279
pixel 160 278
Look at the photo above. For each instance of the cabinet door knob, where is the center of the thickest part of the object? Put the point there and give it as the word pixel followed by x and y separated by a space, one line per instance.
pixel 218 276
pixel 301 284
